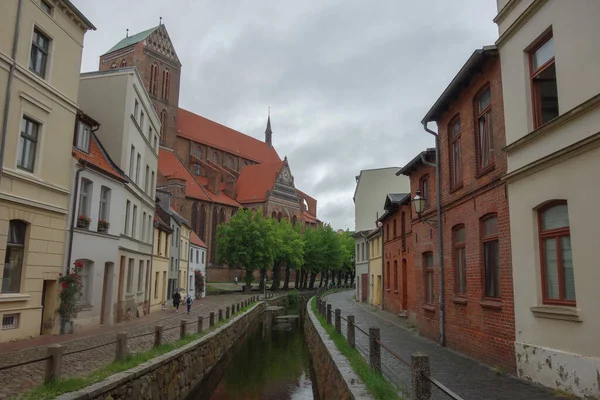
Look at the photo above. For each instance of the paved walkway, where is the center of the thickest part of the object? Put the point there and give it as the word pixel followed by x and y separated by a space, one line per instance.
pixel 86 358
pixel 466 377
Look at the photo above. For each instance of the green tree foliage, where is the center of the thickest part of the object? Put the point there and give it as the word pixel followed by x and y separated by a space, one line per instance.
pixel 289 248
pixel 246 241
pixel 322 251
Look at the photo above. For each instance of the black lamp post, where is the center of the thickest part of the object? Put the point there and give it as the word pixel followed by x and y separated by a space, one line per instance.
pixel 419 204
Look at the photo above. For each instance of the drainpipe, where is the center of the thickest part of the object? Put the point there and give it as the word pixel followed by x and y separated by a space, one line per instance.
pixel 439 226
pixel 382 269
pixel 154 225
pixel 73 214
pixel 11 74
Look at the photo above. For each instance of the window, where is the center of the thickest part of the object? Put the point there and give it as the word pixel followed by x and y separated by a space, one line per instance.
pixel 358 252
pixel 163 125
pixel 202 257
pixel 83 137
pixel 155 143
pixel 403 229
pixel 147 178
pixel 491 256
pixel 215 157
pixel 85 197
pixel 130 276
pixel 158 242
pixel 166 244
pixel 127 206
pixel 429 281
pixel 166 84
pixel 156 285
pixel 13 259
pixel 47 8
pixel 10 321
pixel 152 180
pixel 388 276
pixel 113 65
pixel 87 275
pixel 140 285
pixel 395 275
pixel 424 186
pixel 136 108
pixel 104 203
pixel 144 226
pixel 543 82
pixel 150 136
pixel 27 144
pixel 131 160
pixel 485 137
pixel 123 63
pixel 142 117
pixel 455 153
pixel 558 279
pixel 460 261
pixel 177 235
pixel 196 169
pixel 40 46
pixel 134 222
pixel 153 78
pixel 394 230
pixel 137 168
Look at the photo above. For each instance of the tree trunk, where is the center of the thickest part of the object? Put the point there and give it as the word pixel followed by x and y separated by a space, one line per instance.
pixel 321 282
pixel 249 277
pixel 346 276
pixel 352 276
pixel 305 281
pixel 276 277
pixel 313 277
pixel 286 284
pixel 261 285
pixel 297 282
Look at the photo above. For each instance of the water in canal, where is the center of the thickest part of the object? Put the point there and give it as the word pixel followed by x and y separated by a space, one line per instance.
pixel 271 364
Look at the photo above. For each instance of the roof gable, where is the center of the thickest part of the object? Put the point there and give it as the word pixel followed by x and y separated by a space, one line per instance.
pixel 202 130
pixel 171 166
pixel 98 157
pixel 131 40
pixel 159 42
pixel 196 241
pixel 255 180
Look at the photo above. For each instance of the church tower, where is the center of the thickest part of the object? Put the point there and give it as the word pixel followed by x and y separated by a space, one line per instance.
pixel 154 56
pixel 269 132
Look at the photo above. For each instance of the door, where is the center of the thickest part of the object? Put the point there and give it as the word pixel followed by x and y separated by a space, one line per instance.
pixel 404 286
pixel 107 285
pixel 49 306
pixel 364 284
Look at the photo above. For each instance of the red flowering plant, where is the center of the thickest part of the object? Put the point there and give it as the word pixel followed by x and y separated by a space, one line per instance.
pixel 83 221
pixel 70 292
pixel 199 283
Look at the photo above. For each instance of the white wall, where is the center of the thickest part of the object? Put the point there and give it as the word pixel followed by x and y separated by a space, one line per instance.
pixel 197 264
pixel 361 264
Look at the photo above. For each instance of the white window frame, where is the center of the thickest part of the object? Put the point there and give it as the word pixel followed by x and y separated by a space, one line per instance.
pixel 84 135
pixel 13 325
pixel 86 189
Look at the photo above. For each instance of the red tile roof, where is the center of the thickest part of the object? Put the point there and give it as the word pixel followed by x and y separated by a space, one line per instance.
pixel 255 180
pixel 309 218
pixel 310 201
pixel 171 166
pixel 98 158
pixel 202 130
pixel 223 198
pixel 194 239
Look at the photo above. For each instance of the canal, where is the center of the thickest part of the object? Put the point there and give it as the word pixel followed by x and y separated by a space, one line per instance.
pixel 271 363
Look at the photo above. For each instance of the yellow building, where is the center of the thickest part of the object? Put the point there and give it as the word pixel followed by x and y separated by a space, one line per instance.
pixel 185 279
pixel 160 260
pixel 375 267
pixel 41 44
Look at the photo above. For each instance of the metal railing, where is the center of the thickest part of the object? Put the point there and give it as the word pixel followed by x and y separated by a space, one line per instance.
pixel 397 369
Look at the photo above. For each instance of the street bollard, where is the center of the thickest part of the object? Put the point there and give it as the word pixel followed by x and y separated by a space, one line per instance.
pixel 158 335
pixel 338 320
pixel 374 350
pixel 351 331
pixel 211 320
pixel 421 386
pixel 237 307
pixel 183 329
pixel 227 312
pixel 200 323
pixel 220 314
pixel 54 363
pixel 328 314
pixel 121 349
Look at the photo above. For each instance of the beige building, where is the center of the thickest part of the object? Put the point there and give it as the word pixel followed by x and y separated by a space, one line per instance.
pixel 550 62
pixel 160 259
pixel 39 83
pixel 375 267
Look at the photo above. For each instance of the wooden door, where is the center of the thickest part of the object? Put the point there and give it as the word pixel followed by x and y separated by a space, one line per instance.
pixel 364 284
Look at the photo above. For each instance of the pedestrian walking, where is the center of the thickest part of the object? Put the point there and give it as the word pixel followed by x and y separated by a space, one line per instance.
pixel 188 302
pixel 235 280
pixel 176 301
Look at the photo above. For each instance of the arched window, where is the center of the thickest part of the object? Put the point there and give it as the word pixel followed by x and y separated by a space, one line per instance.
pixel 485 139
pixel 455 152
pixel 202 223
pixel 279 217
pixel 427 266
pixel 273 215
pixel 460 259
pixel 215 157
pixel 13 259
pixel 294 220
pixel 153 78
pixel 558 278
pixel 213 244
pixel 233 212
pixel 195 212
pixel 123 63
pixel 403 229
pixel 388 276
pixel 491 255
pixel 163 125
pixel 113 65
pixel 396 276
pixel 166 80
pixel 222 216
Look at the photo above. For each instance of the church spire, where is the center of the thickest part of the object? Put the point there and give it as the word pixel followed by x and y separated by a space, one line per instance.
pixel 268 131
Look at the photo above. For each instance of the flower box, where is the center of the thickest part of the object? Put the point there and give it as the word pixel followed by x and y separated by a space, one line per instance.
pixel 103 225
pixel 83 221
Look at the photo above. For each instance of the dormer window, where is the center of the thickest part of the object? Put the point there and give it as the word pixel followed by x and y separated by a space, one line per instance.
pixel 83 137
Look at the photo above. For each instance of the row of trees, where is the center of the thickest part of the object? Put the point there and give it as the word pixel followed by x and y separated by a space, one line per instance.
pixel 252 242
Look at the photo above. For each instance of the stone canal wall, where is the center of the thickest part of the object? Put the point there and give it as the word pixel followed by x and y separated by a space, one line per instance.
pixel 173 375
pixel 335 378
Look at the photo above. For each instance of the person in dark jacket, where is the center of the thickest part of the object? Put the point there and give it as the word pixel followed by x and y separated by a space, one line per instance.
pixel 188 302
pixel 176 301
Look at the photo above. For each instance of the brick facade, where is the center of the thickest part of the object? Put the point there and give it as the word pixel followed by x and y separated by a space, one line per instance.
pixel 479 326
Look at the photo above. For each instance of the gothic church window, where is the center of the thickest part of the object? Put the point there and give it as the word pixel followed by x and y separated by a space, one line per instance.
pixel 166 84
pixel 153 78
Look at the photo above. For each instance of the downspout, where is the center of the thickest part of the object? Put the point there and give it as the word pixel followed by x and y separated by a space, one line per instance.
pixel 154 226
pixel 11 75
pixel 73 214
pixel 382 268
pixel 439 226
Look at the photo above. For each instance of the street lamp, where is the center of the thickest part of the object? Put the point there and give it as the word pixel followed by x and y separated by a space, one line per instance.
pixel 419 204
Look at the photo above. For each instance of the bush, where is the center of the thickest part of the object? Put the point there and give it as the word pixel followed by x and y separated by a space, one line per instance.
pixel 293 298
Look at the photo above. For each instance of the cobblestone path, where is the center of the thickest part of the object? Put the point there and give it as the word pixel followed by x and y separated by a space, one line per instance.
pixel 15 381
pixel 465 377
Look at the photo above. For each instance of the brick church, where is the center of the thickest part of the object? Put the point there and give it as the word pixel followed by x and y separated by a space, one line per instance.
pixel 210 170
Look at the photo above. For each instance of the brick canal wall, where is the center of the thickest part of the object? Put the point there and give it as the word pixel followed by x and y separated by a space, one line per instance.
pixel 173 375
pixel 335 378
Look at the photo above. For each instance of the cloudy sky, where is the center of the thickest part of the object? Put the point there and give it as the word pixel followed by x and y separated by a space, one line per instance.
pixel 348 81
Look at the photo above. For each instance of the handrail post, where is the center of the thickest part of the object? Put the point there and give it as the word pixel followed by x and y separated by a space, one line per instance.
pixel 200 323
pixel 121 349
pixel 328 314
pixel 338 320
pixel 211 320
pixel 54 363
pixel 421 386
pixel 220 314
pixel 374 349
pixel 351 331
pixel 158 334
pixel 183 329
pixel 227 312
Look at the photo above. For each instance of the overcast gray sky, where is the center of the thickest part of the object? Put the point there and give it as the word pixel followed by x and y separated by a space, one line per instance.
pixel 348 81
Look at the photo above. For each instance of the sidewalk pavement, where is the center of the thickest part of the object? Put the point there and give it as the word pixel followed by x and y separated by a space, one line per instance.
pixel 14 381
pixel 466 377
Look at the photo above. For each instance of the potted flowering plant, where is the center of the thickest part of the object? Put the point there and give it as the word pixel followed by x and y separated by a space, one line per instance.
pixel 199 283
pixel 70 293
pixel 83 221
pixel 103 225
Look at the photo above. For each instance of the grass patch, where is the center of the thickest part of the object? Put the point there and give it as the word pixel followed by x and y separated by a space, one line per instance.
pixel 376 383
pixel 58 387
